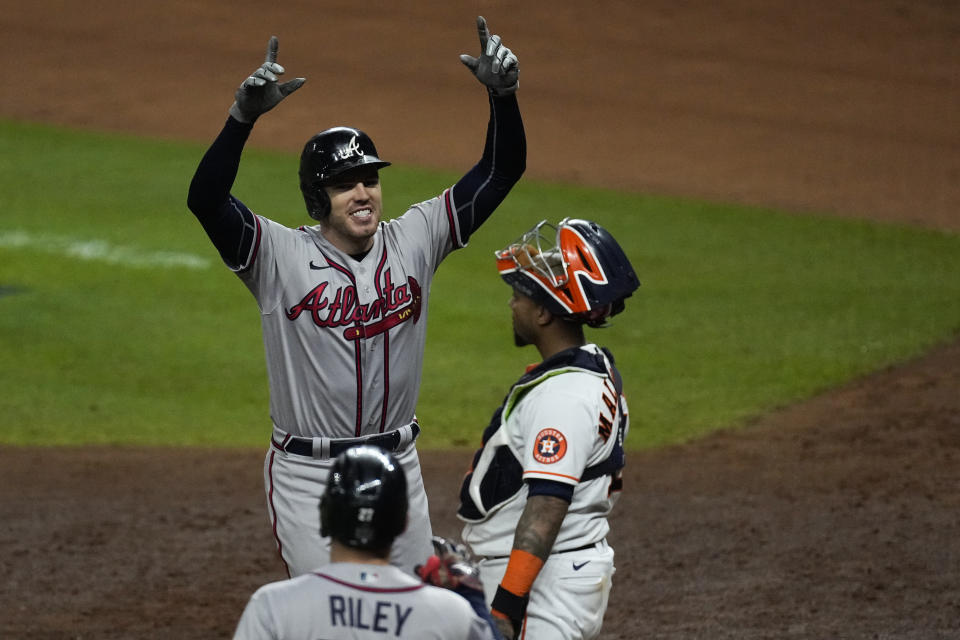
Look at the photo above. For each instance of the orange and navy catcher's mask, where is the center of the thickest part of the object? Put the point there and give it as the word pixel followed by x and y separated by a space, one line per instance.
pixel 575 269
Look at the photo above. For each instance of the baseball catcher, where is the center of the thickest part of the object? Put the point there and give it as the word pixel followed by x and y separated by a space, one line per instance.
pixel 537 498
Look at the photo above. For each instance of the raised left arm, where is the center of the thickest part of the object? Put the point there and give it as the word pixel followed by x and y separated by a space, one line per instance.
pixel 504 158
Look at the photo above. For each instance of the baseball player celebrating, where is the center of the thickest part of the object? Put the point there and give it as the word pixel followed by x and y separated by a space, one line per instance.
pixel 537 498
pixel 359 595
pixel 343 303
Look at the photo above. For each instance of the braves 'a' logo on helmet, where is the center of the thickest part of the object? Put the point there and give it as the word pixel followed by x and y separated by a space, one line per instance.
pixel 350 149
pixel 329 154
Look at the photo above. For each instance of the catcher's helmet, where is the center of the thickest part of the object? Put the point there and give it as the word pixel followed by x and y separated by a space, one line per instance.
pixel 327 155
pixel 576 269
pixel 364 505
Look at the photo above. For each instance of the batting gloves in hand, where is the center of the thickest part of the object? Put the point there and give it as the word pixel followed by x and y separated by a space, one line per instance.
pixel 451 567
pixel 497 67
pixel 260 92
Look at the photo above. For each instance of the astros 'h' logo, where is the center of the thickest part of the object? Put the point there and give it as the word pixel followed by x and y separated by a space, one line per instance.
pixel 549 446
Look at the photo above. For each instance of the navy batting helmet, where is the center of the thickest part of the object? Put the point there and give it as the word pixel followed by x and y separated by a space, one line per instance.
pixel 327 155
pixel 364 505
pixel 575 269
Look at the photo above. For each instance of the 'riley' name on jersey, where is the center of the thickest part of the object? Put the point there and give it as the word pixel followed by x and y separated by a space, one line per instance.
pixel 341 308
pixel 381 616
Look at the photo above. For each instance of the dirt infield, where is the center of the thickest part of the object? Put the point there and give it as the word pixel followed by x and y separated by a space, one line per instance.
pixel 837 518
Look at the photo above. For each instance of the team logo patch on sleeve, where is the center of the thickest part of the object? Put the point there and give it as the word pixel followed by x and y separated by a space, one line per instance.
pixel 549 446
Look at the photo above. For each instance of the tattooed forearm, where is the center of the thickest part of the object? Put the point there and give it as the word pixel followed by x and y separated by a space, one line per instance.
pixel 539 524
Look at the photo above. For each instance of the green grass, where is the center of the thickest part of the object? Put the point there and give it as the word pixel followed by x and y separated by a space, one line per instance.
pixel 741 309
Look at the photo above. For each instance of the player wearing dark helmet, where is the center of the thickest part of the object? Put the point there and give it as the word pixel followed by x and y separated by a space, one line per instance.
pixel 575 269
pixel 344 302
pixel 536 500
pixel 330 155
pixel 359 595
pixel 365 503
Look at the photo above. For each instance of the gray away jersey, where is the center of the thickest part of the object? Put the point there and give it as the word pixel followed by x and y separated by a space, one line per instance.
pixel 359 602
pixel 345 339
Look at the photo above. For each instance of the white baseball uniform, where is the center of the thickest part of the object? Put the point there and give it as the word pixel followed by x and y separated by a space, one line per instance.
pixel 349 601
pixel 564 421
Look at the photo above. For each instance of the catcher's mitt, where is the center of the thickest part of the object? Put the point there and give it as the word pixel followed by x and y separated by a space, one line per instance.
pixel 451 566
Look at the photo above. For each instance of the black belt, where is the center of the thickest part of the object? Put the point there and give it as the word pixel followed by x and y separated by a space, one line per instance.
pixel 583 548
pixel 553 553
pixel 389 441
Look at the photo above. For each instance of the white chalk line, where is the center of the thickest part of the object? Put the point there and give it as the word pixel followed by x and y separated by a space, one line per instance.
pixel 100 251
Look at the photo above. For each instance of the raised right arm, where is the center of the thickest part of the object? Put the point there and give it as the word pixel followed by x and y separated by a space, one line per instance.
pixel 229 224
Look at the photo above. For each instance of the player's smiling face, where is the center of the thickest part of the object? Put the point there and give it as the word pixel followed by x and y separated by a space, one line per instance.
pixel 355 208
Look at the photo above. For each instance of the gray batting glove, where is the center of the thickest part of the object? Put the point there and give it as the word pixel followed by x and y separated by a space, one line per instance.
pixel 451 566
pixel 260 92
pixel 497 67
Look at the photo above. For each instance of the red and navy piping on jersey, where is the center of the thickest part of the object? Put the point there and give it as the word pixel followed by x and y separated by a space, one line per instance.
pixel 367 588
pixel 273 511
pixel 386 345
pixel 339 308
pixel 452 219
pixel 256 234
pixel 357 360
